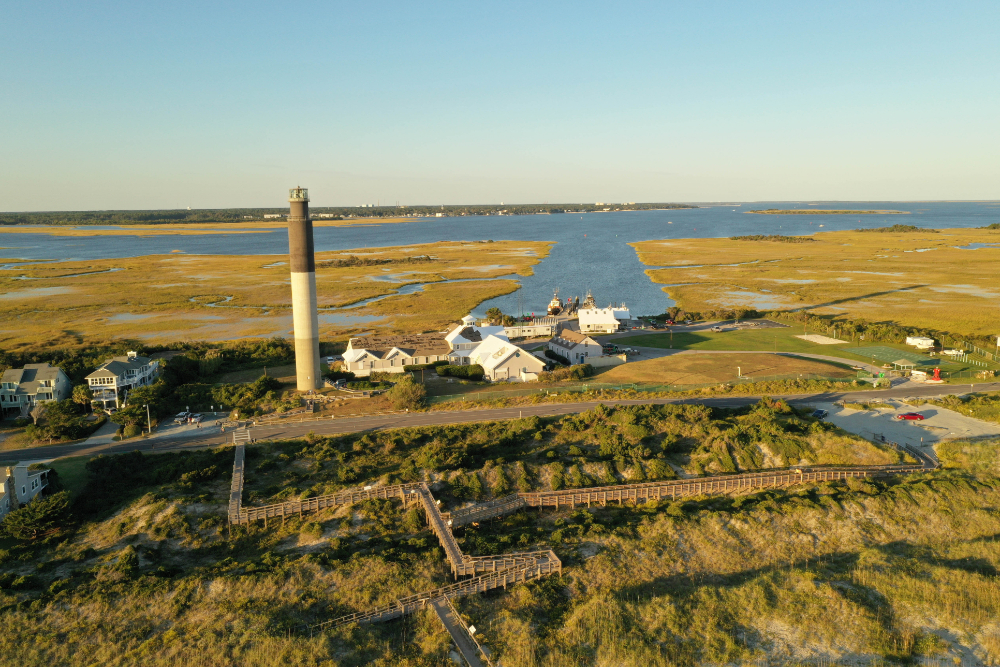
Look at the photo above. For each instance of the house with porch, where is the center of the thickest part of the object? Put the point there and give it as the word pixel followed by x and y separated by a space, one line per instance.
pixel 576 346
pixel 20 487
pixel 21 389
pixel 117 376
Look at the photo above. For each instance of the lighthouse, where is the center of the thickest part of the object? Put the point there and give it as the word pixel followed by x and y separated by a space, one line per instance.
pixel 305 320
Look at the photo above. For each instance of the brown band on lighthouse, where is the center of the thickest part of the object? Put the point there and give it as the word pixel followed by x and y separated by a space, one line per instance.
pixel 301 249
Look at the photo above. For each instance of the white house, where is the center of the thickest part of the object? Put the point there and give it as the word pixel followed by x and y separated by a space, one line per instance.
pixel 20 486
pixel 390 354
pixel 502 360
pixel 121 374
pixel 466 337
pixel 575 346
pixel 23 388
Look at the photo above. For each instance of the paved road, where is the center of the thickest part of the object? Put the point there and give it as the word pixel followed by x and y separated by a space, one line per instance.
pixel 211 436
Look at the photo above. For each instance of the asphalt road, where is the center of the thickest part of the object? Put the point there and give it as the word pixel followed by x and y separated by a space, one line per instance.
pixel 210 436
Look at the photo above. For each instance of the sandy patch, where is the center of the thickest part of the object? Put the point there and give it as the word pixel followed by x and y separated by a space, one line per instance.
pixel 821 340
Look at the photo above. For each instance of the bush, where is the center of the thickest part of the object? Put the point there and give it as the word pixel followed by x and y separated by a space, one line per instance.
pixel 131 431
pixel 407 395
pixel 549 354
pixel 577 372
pixel 472 372
pixel 425 367
pixel 21 422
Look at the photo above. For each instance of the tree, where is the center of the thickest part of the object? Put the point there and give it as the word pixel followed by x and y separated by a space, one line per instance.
pixel 82 395
pixel 37 519
pixel 494 315
pixel 67 419
pixel 407 395
pixel 38 412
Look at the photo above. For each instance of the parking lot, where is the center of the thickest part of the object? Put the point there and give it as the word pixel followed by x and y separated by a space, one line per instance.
pixel 939 423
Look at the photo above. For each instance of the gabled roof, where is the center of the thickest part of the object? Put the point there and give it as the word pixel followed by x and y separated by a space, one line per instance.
pixel 494 351
pixel 117 366
pixel 380 347
pixel 568 339
pixel 471 333
pixel 29 378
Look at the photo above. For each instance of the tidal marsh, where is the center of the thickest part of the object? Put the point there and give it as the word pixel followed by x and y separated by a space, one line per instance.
pixel 916 279
pixel 165 298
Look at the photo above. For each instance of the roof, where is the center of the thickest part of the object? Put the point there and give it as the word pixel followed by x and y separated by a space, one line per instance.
pixel 494 351
pixel 568 338
pixel 471 333
pixel 598 315
pixel 29 378
pixel 413 345
pixel 902 362
pixel 117 366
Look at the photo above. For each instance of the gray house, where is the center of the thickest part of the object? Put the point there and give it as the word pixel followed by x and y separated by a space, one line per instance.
pixel 21 389
pixel 119 375
pixel 20 487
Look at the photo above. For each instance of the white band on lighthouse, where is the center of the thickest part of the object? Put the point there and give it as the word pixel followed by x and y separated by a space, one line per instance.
pixel 305 323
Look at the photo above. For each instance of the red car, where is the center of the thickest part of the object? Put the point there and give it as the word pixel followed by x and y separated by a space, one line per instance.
pixel 911 416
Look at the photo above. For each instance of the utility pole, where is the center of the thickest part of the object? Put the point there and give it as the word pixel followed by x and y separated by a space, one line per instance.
pixel 149 422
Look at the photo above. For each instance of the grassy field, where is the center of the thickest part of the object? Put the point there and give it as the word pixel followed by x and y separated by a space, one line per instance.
pixel 918 279
pixel 898 571
pixel 707 368
pixel 785 339
pixel 176 297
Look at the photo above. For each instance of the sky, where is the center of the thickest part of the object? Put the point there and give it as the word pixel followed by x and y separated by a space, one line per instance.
pixel 137 105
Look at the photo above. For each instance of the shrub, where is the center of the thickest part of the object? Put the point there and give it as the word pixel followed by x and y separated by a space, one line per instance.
pixel 131 431
pixel 407 395
pixel 549 354
pixel 424 367
pixel 577 372
pixel 39 518
pixel 472 372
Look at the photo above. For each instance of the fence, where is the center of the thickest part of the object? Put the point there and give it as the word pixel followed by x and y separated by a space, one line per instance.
pixel 640 387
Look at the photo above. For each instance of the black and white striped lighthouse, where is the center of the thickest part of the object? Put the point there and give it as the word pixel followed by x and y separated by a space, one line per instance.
pixel 302 259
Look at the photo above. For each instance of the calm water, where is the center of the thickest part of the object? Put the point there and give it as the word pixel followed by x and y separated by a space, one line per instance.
pixel 591 251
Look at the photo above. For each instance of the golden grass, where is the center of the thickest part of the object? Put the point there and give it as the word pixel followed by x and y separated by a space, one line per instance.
pixel 169 297
pixel 879 277
pixel 708 368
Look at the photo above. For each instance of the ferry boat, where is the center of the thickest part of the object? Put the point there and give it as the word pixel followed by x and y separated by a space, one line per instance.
pixel 589 301
pixel 555 306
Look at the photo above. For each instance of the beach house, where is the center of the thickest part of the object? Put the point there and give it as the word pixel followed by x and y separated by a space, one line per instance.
pixel 117 376
pixel 21 389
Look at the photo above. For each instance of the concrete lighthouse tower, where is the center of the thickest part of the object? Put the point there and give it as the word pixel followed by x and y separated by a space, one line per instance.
pixel 302 259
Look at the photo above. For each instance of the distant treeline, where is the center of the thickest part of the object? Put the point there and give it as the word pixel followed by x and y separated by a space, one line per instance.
pixel 228 215
pixel 897 228
pixel 773 237
pixel 835 211
pixel 354 260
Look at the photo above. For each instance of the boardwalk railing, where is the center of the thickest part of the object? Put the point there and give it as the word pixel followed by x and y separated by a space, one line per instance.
pixel 491 572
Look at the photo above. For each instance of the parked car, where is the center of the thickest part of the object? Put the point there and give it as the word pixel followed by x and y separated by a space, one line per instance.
pixel 196 418
pixel 181 417
pixel 820 414
pixel 670 322
pixel 910 416
pixel 717 329
pixel 688 322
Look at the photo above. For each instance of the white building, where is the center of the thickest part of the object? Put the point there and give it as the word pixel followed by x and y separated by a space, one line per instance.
pixel 575 346
pixel 467 336
pixel 540 327
pixel 920 342
pixel 22 389
pixel 502 360
pixel 20 486
pixel 391 354
pixel 121 374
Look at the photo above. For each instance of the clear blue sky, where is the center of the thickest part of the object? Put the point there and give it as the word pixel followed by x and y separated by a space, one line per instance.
pixel 207 104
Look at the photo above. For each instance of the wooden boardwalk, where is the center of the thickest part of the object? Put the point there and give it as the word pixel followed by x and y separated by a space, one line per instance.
pixel 496 571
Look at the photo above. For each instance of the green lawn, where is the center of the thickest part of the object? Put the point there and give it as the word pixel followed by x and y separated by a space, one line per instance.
pixel 72 472
pixel 773 340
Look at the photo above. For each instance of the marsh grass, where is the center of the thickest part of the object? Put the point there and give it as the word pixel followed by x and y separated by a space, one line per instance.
pixel 185 297
pixel 879 277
